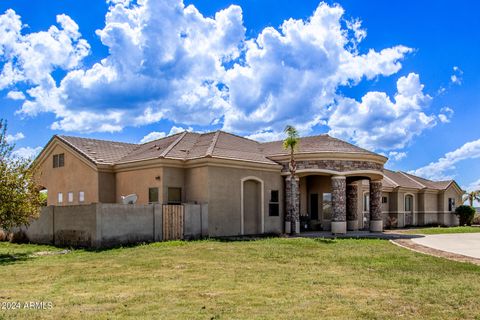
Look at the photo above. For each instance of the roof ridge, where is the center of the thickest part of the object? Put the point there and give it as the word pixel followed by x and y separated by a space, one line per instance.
pixel 95 139
pixel 210 149
pixel 141 144
pixel 170 147
pixel 412 179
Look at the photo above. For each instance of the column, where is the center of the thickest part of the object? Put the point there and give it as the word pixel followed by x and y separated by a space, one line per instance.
pixel 292 194
pixel 352 207
pixel 339 209
pixel 376 218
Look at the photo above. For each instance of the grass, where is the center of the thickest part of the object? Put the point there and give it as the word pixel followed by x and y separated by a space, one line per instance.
pixel 276 278
pixel 442 230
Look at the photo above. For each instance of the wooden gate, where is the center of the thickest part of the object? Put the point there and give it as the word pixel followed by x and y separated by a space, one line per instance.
pixel 172 222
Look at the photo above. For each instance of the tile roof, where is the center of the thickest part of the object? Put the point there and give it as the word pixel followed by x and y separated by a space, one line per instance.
pixel 319 143
pixel 402 179
pixel 220 144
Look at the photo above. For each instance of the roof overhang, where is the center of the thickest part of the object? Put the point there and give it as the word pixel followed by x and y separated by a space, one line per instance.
pixel 322 155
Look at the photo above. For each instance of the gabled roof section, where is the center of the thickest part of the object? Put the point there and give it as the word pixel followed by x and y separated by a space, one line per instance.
pixel 151 150
pixel 406 180
pixel 99 151
pixel 313 144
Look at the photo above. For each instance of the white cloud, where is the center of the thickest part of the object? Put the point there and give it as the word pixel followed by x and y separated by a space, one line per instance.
pixel 16 95
pixel 168 61
pixel 27 152
pixel 396 155
pixel 445 115
pixel 12 138
pixel 456 77
pixel 175 130
pixel 442 168
pixel 473 186
pixel 154 135
pixel 377 122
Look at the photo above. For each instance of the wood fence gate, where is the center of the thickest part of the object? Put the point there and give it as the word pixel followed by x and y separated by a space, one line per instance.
pixel 172 222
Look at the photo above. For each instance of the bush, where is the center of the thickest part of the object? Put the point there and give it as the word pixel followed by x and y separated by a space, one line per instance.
pixel 465 214
pixel 476 219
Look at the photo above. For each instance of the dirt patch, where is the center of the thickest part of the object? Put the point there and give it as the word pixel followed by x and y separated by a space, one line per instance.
pixel 409 244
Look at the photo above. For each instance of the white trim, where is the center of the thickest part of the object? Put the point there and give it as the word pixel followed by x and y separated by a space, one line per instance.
pixel 339 177
pixel 262 202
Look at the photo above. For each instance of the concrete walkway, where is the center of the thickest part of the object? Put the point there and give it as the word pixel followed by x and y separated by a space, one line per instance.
pixel 467 244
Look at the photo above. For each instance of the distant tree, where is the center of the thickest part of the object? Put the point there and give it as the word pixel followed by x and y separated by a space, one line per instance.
pixel 471 197
pixel 19 194
pixel 291 143
pixel 465 214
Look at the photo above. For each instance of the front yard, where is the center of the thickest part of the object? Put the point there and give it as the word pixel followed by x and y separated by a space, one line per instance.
pixel 266 279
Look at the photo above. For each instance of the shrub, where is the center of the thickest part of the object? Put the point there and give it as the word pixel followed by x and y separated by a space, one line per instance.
pixel 465 214
pixel 476 219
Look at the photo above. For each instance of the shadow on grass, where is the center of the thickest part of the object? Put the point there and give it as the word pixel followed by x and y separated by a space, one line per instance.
pixel 6 259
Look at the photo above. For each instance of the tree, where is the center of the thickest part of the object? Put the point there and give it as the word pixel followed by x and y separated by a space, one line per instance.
pixel 471 197
pixel 291 143
pixel 465 214
pixel 19 194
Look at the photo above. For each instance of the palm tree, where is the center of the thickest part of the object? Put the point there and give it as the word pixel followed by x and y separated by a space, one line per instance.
pixel 471 197
pixel 291 143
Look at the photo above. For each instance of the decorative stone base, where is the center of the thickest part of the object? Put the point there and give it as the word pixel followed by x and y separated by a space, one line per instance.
pixel 339 227
pixel 352 225
pixel 376 225
pixel 288 227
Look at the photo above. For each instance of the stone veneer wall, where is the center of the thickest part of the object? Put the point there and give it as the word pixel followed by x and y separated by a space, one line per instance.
pixel 338 200
pixel 292 194
pixel 335 165
pixel 352 200
pixel 376 200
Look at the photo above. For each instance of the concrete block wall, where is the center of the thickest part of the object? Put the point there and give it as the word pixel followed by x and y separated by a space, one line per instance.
pixel 105 225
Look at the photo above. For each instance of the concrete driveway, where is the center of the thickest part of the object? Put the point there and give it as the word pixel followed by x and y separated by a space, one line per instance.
pixel 467 244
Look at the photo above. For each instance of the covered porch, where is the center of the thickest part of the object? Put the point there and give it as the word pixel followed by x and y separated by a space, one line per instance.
pixel 338 203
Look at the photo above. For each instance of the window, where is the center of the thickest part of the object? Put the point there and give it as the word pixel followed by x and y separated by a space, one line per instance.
pixel 384 200
pixel 81 196
pixel 274 206
pixel 174 195
pixel 451 204
pixel 58 160
pixel 70 197
pixel 327 206
pixel 408 203
pixel 152 195
pixel 60 197
pixel 366 202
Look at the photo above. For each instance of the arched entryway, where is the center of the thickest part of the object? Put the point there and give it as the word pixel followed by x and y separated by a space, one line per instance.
pixel 252 218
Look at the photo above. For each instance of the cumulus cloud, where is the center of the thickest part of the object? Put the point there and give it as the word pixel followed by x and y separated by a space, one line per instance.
pixel 378 122
pixel 442 168
pixel 168 61
pixel 396 155
pixel 12 138
pixel 154 135
pixel 16 95
pixel 27 152
pixel 445 115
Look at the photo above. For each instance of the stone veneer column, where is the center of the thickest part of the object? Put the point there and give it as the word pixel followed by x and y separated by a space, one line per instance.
pixel 292 194
pixel 376 218
pixel 352 207
pixel 339 212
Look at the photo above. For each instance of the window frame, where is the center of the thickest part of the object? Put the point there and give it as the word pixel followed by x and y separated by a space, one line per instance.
pixel 81 196
pixel 149 194
pixel 59 198
pixel 274 206
pixel 384 198
pixel 407 197
pixel 70 197
pixel 58 160
pixel 173 202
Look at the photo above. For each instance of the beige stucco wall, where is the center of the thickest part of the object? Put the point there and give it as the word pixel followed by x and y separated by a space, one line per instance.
pixel 196 185
pixel 75 176
pixel 138 182
pixel 172 178
pixel 106 187
pixel 224 205
pixel 319 184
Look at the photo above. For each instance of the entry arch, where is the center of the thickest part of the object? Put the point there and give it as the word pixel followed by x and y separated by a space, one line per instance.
pixel 242 203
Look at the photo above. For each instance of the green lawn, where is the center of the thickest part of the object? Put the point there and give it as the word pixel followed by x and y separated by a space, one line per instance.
pixel 266 279
pixel 441 230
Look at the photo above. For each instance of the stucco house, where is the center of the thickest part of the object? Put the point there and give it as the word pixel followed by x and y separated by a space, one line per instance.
pixel 338 187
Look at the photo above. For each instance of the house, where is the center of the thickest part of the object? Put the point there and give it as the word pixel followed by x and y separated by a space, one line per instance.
pixel 338 186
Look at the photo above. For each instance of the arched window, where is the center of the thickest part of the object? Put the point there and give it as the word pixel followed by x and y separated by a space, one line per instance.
pixel 408 203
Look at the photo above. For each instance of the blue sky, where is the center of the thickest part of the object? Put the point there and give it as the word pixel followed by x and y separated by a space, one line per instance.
pixel 400 78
